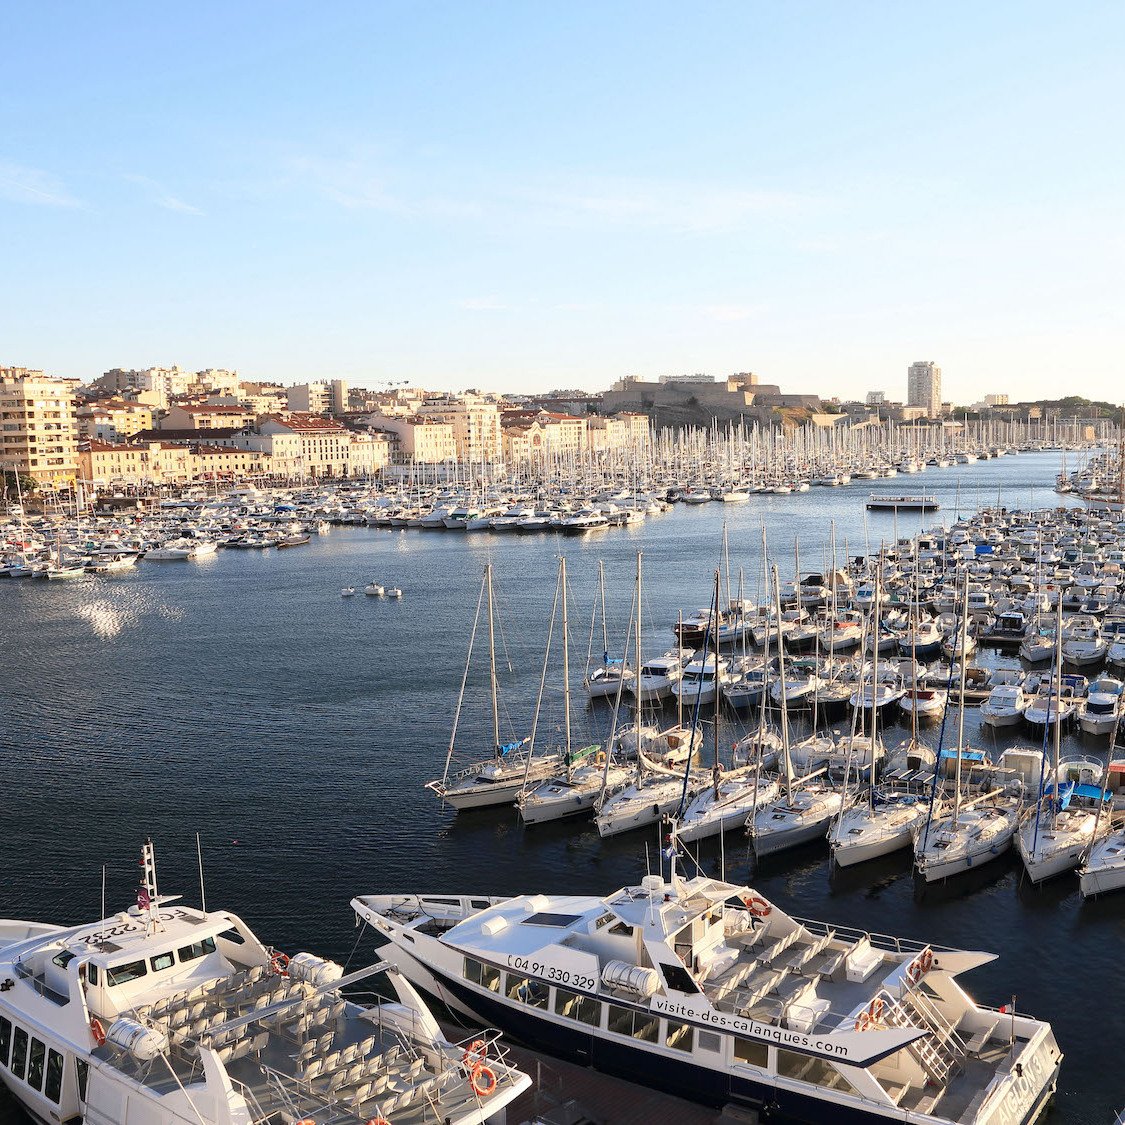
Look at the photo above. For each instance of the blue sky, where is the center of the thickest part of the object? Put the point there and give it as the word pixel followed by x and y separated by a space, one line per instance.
pixel 532 195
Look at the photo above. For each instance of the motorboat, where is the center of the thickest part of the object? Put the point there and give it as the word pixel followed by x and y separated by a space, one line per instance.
pixel 658 675
pixel 1005 706
pixel 702 677
pixel 167 1013
pixel 709 990
pixel 1101 710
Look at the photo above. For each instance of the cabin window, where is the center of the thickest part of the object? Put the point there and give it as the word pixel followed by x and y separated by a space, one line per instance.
pixel 527 991
pixel 622 929
pixel 82 1072
pixel 575 1007
pixel 5 1039
pixel 481 904
pixel 19 1052
pixel 122 974
pixel 638 1025
pixel 709 1041
pixel 234 936
pixel 63 959
pixel 92 973
pixel 679 1035
pixel 196 949
pixel 752 1052
pixel 162 961
pixel 807 1069
pixel 53 1086
pixel 484 975
pixel 35 1059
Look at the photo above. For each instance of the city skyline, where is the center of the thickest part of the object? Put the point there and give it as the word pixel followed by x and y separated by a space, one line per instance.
pixel 526 199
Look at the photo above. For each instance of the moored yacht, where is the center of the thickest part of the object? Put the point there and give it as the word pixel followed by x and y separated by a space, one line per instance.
pixel 707 989
pixel 169 1014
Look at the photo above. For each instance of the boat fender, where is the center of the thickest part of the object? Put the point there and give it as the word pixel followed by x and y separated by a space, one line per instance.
pixel 599 758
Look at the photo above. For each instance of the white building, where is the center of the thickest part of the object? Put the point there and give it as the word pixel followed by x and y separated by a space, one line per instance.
pixel 923 387
pixel 319 398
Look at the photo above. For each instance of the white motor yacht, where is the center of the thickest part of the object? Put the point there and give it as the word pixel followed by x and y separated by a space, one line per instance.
pixel 702 677
pixel 1005 706
pixel 1100 713
pixel 168 1014
pixel 658 675
pixel 709 990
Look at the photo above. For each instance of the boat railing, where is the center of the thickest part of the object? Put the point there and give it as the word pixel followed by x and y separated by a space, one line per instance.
pixel 880 941
pixel 40 985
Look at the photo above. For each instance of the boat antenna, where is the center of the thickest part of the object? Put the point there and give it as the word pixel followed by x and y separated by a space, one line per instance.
pixel 202 884
pixel 103 890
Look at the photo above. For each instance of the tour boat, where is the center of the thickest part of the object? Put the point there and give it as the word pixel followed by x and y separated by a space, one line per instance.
pixel 708 990
pixel 169 1015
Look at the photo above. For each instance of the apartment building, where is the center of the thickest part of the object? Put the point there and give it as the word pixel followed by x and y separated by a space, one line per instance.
pixel 112 419
pixel 38 434
pixel 476 425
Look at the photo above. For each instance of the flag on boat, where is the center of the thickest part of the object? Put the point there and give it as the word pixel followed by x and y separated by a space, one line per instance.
pixel 143 901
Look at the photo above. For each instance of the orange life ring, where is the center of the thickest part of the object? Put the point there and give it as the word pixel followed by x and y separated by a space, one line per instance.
pixel 914 971
pixel 757 906
pixel 279 962
pixel 862 1022
pixel 875 1009
pixel 483 1081
pixel 475 1053
pixel 926 961
pixel 370 1121
pixel 97 1031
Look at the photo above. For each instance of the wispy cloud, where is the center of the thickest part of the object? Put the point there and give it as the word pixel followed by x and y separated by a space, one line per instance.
pixel 729 314
pixel 482 304
pixel 670 205
pixel 161 197
pixel 22 184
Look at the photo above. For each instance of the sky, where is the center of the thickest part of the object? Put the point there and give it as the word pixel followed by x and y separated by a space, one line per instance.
pixel 523 196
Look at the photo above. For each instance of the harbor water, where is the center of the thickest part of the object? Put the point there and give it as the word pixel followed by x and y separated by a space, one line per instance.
pixel 241 698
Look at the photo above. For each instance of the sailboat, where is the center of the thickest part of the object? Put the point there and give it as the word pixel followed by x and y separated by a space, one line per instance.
pixel 603 679
pixel 976 830
pixel 886 821
pixel 656 789
pixel 571 792
pixel 806 805
pixel 495 780
pixel 1056 832
pixel 730 798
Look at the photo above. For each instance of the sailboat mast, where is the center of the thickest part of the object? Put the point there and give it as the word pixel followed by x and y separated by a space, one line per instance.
pixel 788 773
pixel 566 662
pixel 492 661
pixel 961 699
pixel 716 768
pixel 640 665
